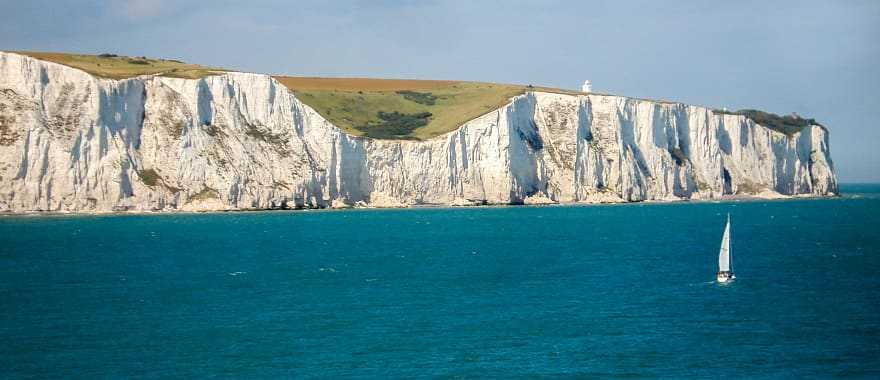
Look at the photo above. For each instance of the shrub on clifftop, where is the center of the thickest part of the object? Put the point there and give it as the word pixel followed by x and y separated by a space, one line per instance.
pixel 788 124
pixel 396 124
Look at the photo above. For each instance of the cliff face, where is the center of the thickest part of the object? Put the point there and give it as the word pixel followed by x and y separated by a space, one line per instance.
pixel 72 142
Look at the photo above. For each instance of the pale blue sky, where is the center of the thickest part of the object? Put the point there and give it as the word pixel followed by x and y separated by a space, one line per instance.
pixel 817 58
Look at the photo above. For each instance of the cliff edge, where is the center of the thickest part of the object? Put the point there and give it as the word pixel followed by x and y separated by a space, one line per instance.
pixel 71 142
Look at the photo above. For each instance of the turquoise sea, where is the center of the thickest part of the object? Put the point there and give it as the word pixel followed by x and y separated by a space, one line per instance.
pixel 498 292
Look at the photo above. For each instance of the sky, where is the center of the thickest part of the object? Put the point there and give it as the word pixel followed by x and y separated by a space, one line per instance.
pixel 820 59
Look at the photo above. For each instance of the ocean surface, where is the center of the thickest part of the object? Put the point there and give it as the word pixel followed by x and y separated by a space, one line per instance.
pixel 500 292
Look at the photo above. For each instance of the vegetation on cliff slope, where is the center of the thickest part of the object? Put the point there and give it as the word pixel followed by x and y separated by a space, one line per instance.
pixel 399 109
pixel 395 124
pixel 121 67
pixel 378 108
pixel 788 124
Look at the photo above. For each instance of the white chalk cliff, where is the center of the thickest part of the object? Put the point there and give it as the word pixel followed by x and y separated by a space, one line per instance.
pixel 70 142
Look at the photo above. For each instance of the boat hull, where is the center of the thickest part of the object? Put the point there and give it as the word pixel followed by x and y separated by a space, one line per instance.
pixel 724 277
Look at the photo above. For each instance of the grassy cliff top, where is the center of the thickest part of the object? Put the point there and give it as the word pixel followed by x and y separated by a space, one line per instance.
pixel 399 109
pixel 788 124
pixel 377 108
pixel 121 67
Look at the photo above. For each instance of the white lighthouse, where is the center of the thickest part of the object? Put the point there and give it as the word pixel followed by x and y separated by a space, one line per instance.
pixel 587 87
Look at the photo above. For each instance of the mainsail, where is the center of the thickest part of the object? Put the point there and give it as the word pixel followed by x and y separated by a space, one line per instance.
pixel 724 254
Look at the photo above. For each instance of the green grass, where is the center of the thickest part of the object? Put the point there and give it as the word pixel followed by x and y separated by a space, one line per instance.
pixel 409 110
pixel 788 124
pixel 377 108
pixel 121 67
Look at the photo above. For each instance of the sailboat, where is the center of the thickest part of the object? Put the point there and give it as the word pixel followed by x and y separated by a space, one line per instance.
pixel 724 274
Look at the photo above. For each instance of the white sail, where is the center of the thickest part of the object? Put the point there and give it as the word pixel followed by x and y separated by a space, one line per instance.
pixel 724 254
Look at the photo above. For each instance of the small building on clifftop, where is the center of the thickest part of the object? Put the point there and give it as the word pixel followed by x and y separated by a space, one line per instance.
pixel 586 87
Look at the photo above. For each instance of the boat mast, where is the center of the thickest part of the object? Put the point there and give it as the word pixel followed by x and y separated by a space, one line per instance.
pixel 724 252
pixel 729 250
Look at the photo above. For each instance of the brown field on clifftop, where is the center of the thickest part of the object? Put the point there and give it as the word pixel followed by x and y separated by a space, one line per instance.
pixel 360 84
pixel 412 109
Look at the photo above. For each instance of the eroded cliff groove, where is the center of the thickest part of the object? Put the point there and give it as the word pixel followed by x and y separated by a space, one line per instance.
pixel 71 142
